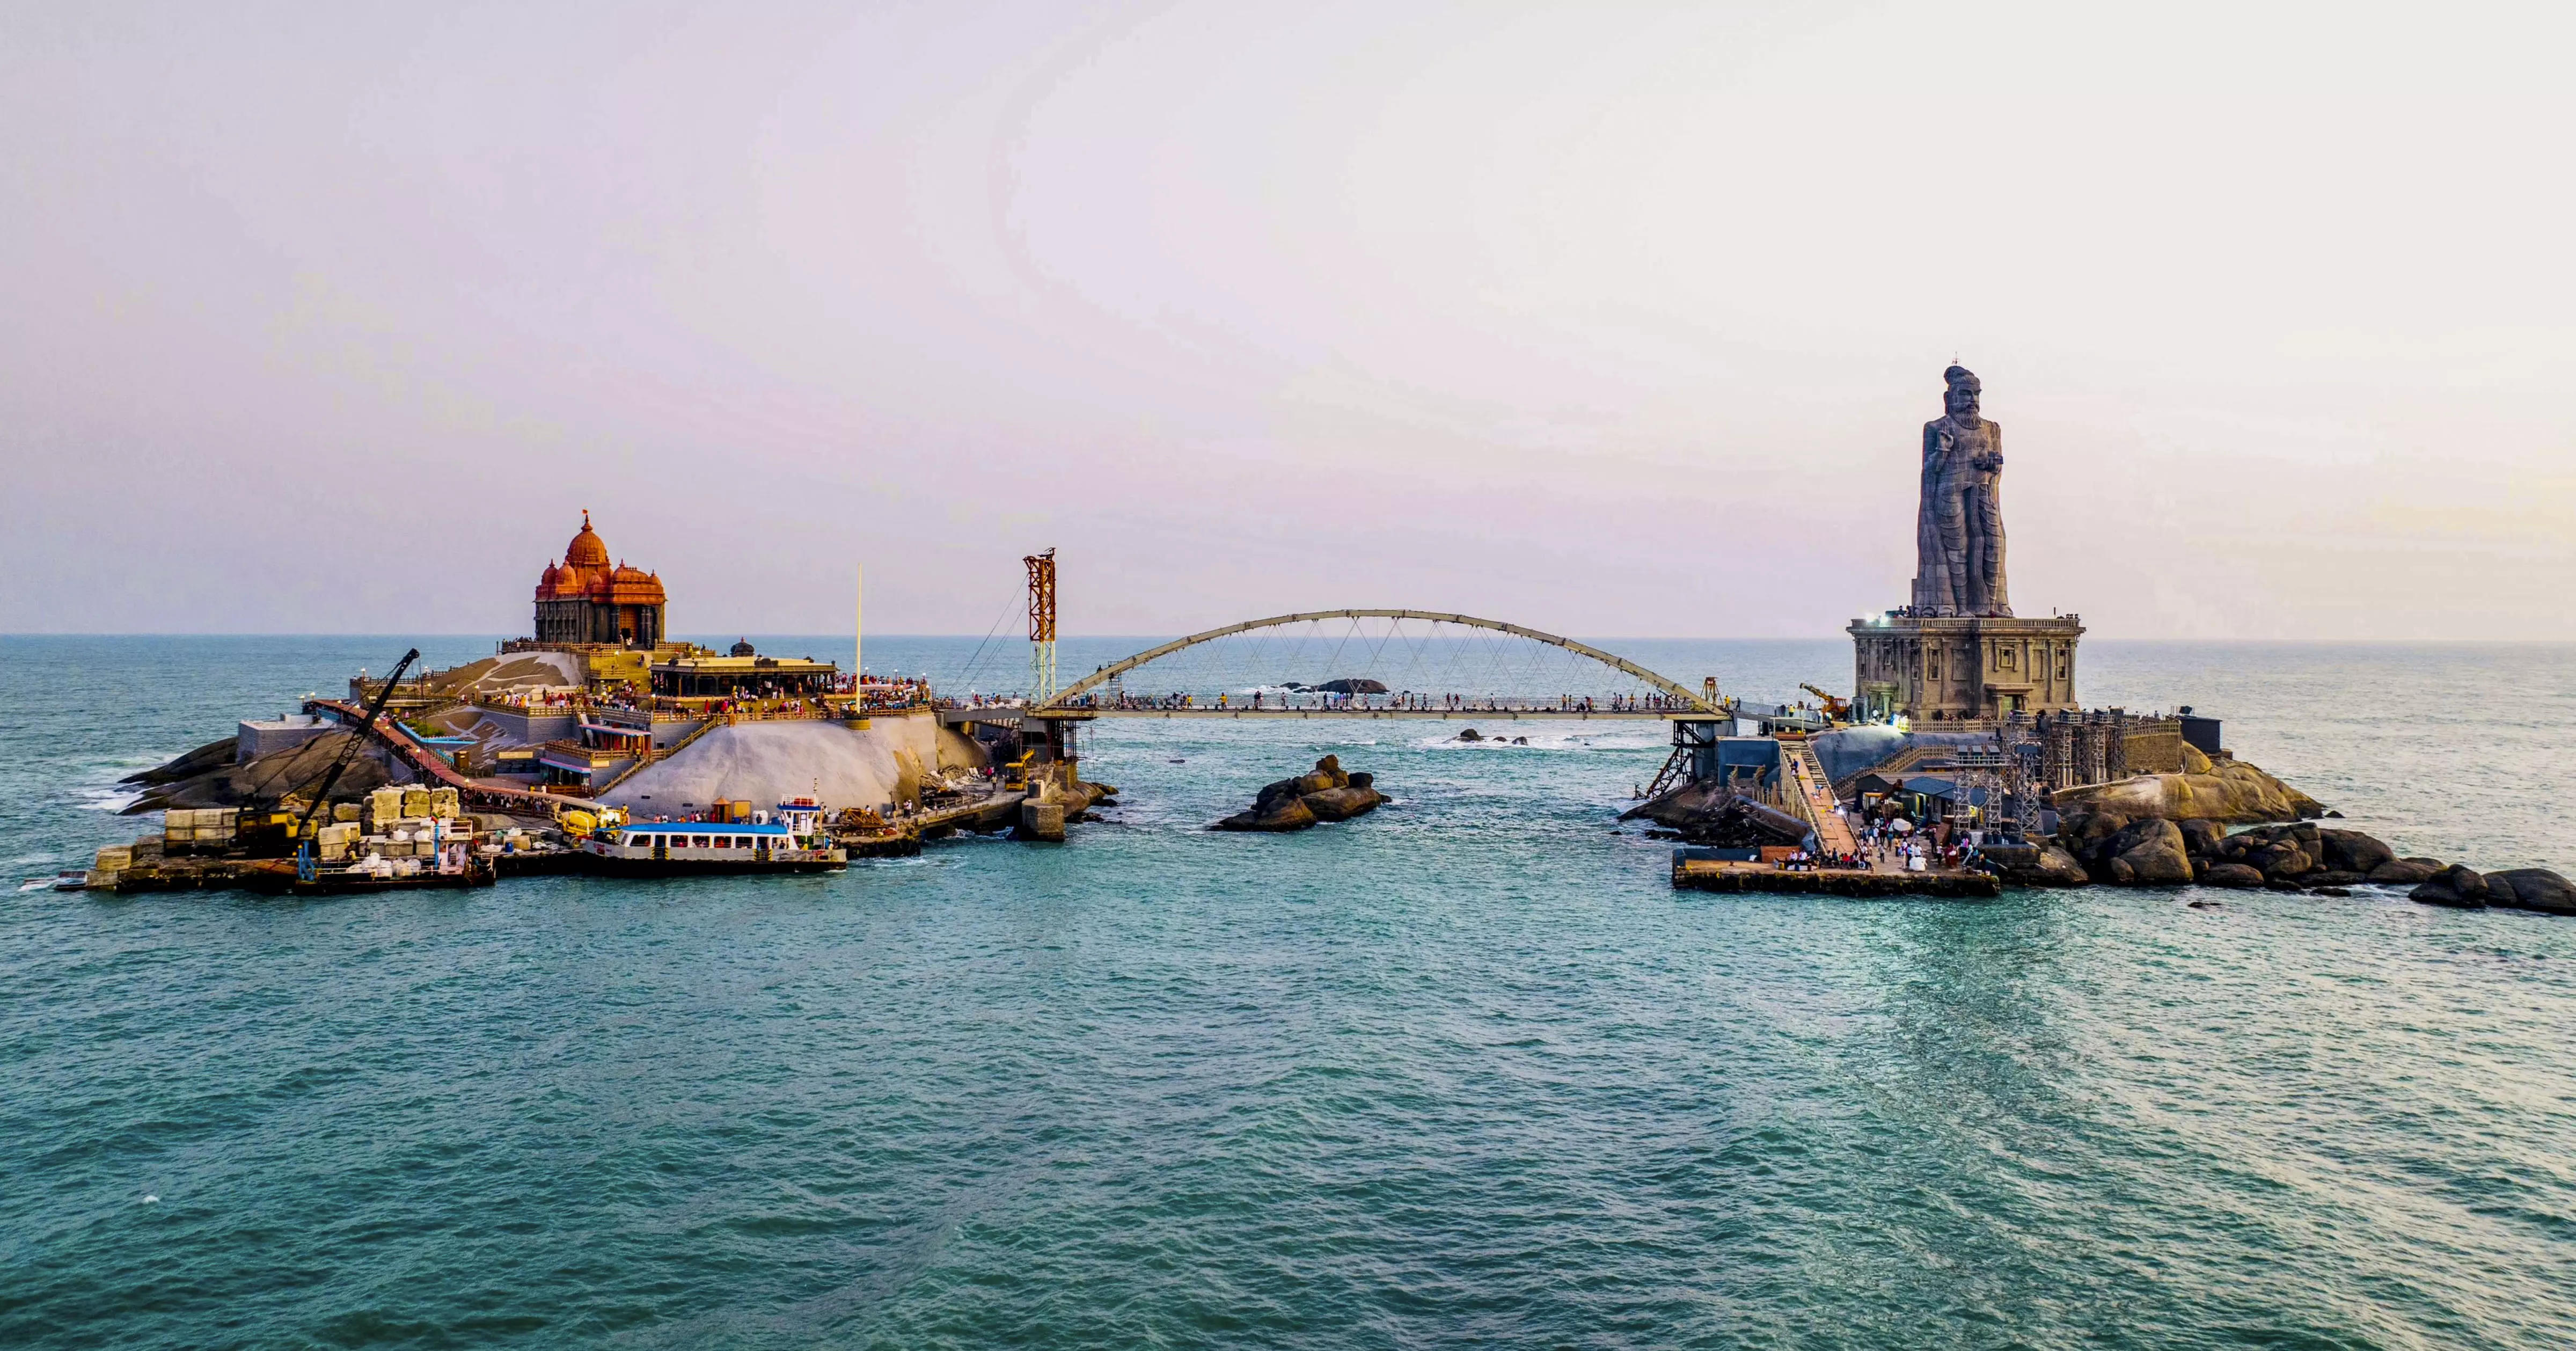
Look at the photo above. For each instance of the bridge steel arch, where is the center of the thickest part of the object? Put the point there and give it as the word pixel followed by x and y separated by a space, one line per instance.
pixel 1115 669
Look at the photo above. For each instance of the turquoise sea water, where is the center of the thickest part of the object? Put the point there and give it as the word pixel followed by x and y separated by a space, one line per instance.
pixel 1464 1072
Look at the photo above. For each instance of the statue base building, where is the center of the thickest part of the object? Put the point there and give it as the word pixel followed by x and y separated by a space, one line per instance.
pixel 1962 669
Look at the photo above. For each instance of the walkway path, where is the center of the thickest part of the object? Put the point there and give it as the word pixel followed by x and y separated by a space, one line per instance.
pixel 427 763
pixel 1812 794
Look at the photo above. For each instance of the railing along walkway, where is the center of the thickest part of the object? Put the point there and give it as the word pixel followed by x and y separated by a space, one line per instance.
pixel 426 762
pixel 1811 795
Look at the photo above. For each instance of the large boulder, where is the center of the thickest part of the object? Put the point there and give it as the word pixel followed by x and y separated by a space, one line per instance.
pixel 1705 812
pixel 2100 826
pixel 2532 889
pixel 2353 852
pixel 2055 868
pixel 2405 872
pixel 2235 875
pixel 2234 792
pixel 1279 816
pixel 2279 859
pixel 2202 837
pixel 1341 804
pixel 2455 887
pixel 2295 852
pixel 1326 776
pixel 2036 865
pixel 2152 854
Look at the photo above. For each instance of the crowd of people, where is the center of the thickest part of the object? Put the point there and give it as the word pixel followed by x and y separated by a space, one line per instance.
pixel 1891 842
pixel 1815 860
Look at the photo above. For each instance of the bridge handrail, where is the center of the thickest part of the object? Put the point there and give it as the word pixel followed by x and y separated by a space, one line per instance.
pixel 399 739
pixel 1119 668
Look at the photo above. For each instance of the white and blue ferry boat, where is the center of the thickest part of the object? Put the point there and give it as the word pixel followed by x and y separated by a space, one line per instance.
pixel 791 840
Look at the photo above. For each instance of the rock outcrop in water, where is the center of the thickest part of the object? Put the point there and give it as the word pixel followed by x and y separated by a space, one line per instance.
pixel 2538 889
pixel 207 776
pixel 1327 793
pixel 2108 847
pixel 1707 813
pixel 2231 792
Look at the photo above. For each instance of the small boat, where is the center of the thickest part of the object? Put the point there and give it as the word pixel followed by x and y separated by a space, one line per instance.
pixel 792 841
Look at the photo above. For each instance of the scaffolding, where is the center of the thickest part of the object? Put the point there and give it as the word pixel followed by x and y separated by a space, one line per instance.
pixel 1041 626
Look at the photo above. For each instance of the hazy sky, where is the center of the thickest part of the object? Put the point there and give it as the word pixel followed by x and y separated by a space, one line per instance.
pixel 1608 319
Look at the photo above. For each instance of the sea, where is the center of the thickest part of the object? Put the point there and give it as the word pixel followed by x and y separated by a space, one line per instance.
pixel 1465 1072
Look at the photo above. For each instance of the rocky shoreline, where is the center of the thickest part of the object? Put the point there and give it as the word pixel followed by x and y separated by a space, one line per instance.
pixel 2108 848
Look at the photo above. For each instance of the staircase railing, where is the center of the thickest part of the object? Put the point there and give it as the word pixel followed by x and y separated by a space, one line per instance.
pixel 660 754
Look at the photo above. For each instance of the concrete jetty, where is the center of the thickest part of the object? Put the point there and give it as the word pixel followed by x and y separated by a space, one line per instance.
pixel 1735 875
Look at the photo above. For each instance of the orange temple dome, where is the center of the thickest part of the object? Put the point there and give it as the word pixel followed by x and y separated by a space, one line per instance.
pixel 586 549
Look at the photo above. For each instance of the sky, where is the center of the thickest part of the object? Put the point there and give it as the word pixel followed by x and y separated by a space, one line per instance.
pixel 1606 319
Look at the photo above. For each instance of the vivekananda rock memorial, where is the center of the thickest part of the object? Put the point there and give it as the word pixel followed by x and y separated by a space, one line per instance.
pixel 585 600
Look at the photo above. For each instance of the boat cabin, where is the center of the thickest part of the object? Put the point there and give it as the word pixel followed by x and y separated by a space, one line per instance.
pixel 706 835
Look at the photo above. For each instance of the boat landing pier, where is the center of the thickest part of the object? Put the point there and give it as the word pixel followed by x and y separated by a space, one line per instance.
pixel 1732 875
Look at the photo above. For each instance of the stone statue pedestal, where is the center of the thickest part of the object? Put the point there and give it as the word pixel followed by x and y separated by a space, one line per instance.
pixel 1967 669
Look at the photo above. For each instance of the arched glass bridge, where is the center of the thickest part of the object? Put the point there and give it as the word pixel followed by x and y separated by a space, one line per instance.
pixel 1380 664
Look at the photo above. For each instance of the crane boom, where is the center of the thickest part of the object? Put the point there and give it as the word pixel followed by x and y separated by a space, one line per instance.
pixel 1835 705
pixel 350 750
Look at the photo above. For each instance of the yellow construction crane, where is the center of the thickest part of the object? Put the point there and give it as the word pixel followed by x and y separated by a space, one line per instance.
pixel 1838 709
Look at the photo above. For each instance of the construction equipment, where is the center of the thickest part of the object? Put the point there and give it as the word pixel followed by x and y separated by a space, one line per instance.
pixel 1015 775
pixel 304 851
pixel 1041 626
pixel 1836 708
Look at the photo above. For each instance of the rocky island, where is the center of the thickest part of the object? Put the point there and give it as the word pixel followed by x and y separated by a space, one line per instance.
pixel 1325 793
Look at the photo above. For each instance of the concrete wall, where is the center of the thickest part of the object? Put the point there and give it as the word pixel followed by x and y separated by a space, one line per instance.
pixel 256 738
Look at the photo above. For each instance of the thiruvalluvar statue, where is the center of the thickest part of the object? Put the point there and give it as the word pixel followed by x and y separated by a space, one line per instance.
pixel 1959 530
